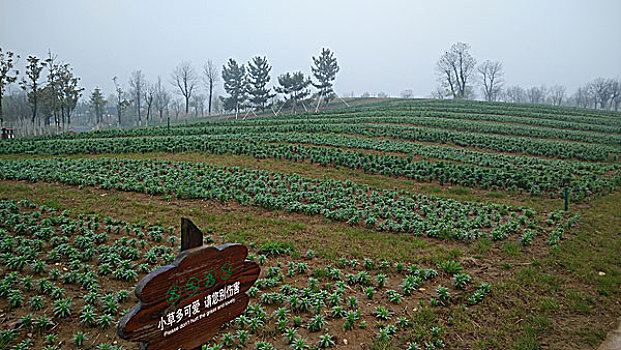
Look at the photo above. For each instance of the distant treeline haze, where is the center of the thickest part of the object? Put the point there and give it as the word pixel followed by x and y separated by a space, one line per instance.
pixel 47 98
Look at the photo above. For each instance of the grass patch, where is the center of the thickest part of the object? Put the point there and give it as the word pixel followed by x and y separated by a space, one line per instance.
pixel 578 302
pixel 511 248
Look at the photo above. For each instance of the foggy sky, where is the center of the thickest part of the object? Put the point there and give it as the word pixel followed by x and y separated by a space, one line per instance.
pixel 386 45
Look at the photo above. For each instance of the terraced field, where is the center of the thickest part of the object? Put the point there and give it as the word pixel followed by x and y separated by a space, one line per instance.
pixel 390 225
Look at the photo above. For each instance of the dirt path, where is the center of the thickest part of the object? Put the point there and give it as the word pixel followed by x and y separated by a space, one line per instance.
pixel 613 341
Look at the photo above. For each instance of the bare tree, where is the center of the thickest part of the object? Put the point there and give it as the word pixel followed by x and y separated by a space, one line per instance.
pixel 198 102
pixel 177 106
pixel 515 94
pixel 185 79
pixel 456 67
pixel 615 97
pixel 407 93
pixel 537 95
pixel 121 102
pixel 557 93
pixel 210 78
pixel 582 98
pixel 137 85
pixel 439 93
pixel 16 105
pixel 600 90
pixel 162 98
pixel 491 79
pixel 149 96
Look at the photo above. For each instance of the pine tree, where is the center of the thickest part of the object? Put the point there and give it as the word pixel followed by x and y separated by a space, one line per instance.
pixel 325 69
pixel 258 77
pixel 97 103
pixel 295 85
pixel 235 84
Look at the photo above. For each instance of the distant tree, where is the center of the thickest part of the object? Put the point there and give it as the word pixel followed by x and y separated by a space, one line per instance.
pixel 557 94
pixel 600 90
pixel 615 97
pixel 121 102
pixel 456 68
pixel 149 97
pixel 30 83
pixel 71 93
pixel 537 95
pixel 324 70
pixel 365 94
pixel 210 78
pixel 7 74
pixel 97 104
pixel 137 86
pixel 258 78
pixel 198 102
pixel 408 93
pixel 185 79
pixel 382 94
pixel 516 94
pixel 235 84
pixel 63 93
pixel 295 86
pixel 491 75
pixel 16 105
pixel 439 93
pixel 162 98
pixel 581 97
pixel 177 106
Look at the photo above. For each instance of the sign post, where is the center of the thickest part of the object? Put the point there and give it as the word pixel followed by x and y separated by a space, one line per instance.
pixel 183 305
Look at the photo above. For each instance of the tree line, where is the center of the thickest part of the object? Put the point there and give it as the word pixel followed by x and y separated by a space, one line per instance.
pixel 54 95
pixel 49 89
pixel 459 76
pixel 246 87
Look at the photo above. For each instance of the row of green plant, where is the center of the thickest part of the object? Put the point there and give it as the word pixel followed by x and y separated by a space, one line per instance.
pixel 570 114
pixel 383 210
pixel 511 126
pixel 489 171
pixel 291 303
pixel 509 144
pixel 558 122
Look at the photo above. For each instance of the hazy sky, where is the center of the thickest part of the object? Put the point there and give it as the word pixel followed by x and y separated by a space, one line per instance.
pixel 385 45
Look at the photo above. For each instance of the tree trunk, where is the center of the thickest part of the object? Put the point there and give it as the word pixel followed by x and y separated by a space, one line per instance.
pixel 187 104
pixel 210 93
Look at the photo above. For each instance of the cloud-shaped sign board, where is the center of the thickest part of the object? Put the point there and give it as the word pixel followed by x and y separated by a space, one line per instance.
pixel 184 304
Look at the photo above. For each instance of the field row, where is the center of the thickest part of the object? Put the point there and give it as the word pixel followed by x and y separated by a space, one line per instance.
pixel 355 204
pixel 457 122
pixel 527 146
pixel 592 116
pixel 446 165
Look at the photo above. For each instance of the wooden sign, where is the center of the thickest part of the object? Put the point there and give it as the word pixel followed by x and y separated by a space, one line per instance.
pixel 184 304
